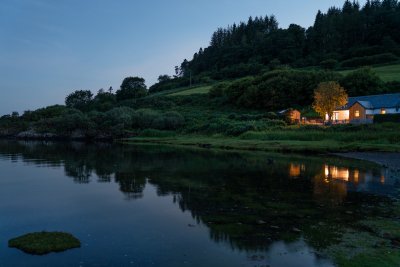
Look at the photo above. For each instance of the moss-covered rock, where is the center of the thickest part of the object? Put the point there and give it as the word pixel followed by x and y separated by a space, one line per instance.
pixel 42 243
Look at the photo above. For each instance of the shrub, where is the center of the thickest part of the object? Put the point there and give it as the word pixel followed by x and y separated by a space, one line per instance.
pixel 386 118
pixel 172 120
pixel 65 124
pixel 144 118
pixel 120 115
pixel 218 90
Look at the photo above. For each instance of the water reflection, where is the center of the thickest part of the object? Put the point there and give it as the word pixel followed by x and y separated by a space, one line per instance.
pixel 247 200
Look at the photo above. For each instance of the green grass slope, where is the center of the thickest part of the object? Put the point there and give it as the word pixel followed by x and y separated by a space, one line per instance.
pixel 388 73
pixel 192 91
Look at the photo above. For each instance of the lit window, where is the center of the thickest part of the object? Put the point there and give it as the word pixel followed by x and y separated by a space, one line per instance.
pixel 357 114
pixel 383 111
pixel 336 116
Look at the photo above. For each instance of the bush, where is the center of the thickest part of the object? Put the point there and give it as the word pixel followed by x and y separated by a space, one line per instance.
pixel 120 115
pixel 386 118
pixel 144 118
pixel 172 120
pixel 218 90
pixel 65 124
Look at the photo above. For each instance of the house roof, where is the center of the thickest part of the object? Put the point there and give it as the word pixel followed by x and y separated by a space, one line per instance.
pixel 286 110
pixel 374 101
pixel 365 104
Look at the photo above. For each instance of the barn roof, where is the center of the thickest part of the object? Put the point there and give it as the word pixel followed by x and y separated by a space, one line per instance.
pixel 374 101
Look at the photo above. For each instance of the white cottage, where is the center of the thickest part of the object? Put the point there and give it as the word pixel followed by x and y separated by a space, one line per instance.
pixel 361 109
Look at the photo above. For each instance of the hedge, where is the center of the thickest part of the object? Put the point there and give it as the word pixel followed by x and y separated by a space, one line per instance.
pixel 369 60
pixel 387 118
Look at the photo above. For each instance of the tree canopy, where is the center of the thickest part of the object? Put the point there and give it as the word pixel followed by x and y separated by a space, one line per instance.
pixel 327 97
pixel 78 99
pixel 131 88
pixel 362 82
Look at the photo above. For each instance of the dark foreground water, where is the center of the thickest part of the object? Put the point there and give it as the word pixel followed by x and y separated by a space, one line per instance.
pixel 154 206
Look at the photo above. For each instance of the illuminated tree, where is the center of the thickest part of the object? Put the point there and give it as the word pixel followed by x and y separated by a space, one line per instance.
pixel 327 97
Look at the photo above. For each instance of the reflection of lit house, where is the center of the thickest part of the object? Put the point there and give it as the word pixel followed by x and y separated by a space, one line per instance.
pixel 344 174
pixel 333 172
pixel 295 170
pixel 338 180
pixel 350 175
pixel 362 109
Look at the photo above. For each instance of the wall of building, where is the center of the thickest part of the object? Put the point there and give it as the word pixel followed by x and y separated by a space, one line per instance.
pixel 341 115
pixel 379 111
pixel 362 112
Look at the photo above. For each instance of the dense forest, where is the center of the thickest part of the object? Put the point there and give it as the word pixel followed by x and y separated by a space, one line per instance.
pixel 347 37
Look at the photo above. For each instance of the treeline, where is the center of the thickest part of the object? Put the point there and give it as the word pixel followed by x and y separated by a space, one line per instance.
pixel 347 37
pixel 61 122
pixel 282 89
pixel 106 115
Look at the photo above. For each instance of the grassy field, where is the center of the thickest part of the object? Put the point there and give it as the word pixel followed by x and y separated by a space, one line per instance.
pixel 387 73
pixel 192 91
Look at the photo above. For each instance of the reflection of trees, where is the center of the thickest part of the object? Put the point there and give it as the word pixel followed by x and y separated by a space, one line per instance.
pixel 79 171
pixel 246 200
pixel 130 185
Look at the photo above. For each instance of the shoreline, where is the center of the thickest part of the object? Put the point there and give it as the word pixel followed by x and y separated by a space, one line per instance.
pixel 389 160
pixel 283 146
pixel 381 154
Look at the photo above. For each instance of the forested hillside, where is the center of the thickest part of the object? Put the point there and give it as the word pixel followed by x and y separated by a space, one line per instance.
pixel 348 37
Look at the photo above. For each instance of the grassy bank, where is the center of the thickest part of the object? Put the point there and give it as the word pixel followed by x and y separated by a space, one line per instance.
pixel 280 141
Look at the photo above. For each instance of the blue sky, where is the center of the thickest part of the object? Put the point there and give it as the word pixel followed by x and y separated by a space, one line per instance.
pixel 49 48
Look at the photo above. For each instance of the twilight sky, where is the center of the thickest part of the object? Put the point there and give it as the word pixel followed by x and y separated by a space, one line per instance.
pixel 49 48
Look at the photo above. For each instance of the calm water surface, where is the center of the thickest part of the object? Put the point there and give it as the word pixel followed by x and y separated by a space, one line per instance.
pixel 154 206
